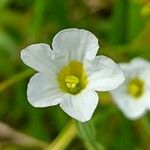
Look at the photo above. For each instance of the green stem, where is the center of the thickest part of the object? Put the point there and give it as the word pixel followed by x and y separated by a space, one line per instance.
pixel 88 134
pixel 65 137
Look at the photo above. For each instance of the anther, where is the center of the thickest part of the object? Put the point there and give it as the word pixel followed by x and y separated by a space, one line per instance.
pixel 71 81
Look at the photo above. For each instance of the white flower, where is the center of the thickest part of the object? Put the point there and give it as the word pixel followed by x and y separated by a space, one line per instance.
pixel 70 74
pixel 133 97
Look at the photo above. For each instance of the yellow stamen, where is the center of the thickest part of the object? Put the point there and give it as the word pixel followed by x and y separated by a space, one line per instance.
pixel 136 87
pixel 72 78
pixel 71 81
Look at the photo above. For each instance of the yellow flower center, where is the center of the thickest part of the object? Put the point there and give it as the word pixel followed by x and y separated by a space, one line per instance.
pixel 71 81
pixel 136 88
pixel 72 78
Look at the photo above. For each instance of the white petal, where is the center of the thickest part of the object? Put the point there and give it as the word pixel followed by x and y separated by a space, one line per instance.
pixel 146 94
pixel 43 91
pixel 136 67
pixel 145 77
pixel 131 107
pixel 146 97
pixel 78 42
pixel 81 106
pixel 140 62
pixel 124 67
pixel 38 56
pixel 104 74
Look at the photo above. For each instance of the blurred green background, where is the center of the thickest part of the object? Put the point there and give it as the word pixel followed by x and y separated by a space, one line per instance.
pixel 123 30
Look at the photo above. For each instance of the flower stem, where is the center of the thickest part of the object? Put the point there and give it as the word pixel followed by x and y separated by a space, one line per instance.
pixel 88 134
pixel 65 137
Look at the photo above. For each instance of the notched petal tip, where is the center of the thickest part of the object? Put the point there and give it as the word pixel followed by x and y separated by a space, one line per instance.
pixel 80 107
pixel 81 43
pixel 38 56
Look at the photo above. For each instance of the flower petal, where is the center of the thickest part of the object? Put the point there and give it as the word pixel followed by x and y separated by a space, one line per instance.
pixel 104 74
pixel 81 106
pixel 140 62
pixel 136 67
pixel 131 107
pixel 43 91
pixel 146 79
pixel 38 56
pixel 146 97
pixel 78 42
